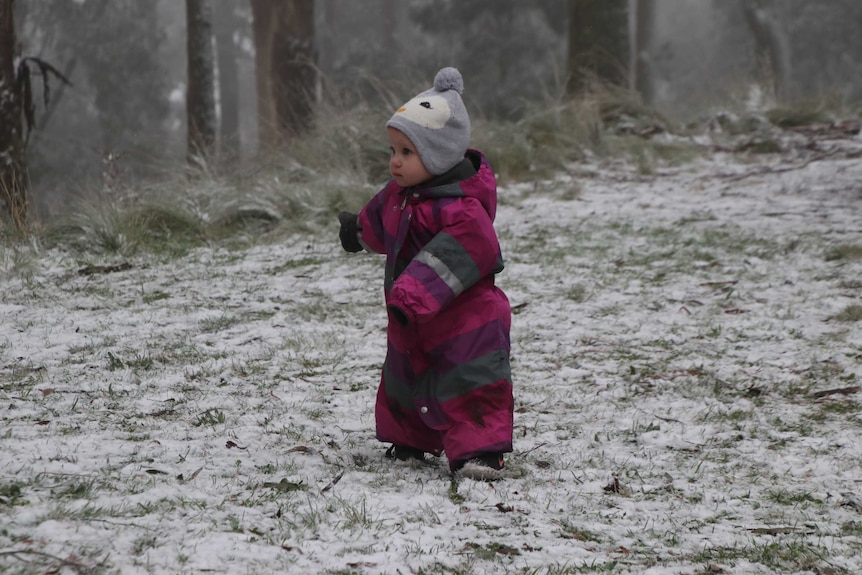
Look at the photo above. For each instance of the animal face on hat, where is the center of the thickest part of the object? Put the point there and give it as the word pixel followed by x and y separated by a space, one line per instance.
pixel 428 111
pixel 436 122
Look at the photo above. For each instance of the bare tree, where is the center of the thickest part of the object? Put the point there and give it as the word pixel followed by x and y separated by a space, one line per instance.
pixel 327 40
pixel 772 47
pixel 294 73
pixel 286 68
pixel 263 26
pixel 13 180
pixel 200 99
pixel 598 43
pixel 644 68
pixel 390 24
pixel 228 79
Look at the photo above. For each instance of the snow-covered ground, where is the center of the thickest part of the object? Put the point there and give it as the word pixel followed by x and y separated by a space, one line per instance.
pixel 678 341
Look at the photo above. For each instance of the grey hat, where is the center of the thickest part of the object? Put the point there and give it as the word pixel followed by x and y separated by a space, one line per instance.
pixel 437 123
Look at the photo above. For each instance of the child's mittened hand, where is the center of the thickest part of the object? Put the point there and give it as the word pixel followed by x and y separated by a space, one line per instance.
pixel 349 232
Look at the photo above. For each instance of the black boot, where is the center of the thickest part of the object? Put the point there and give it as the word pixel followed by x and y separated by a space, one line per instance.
pixel 404 453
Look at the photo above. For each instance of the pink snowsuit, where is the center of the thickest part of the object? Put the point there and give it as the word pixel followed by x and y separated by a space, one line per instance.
pixel 446 382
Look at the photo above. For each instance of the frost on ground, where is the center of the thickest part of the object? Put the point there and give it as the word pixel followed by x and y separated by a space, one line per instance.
pixel 687 350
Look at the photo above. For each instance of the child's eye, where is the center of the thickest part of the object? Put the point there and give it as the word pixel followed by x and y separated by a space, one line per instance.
pixel 406 151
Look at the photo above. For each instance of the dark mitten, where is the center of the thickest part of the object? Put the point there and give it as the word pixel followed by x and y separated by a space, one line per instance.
pixel 398 314
pixel 349 232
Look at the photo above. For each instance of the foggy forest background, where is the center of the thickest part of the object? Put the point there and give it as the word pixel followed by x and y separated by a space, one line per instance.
pixel 644 66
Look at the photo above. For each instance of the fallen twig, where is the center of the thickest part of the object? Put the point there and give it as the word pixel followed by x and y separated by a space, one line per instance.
pixel 333 483
pixel 71 562
pixel 90 270
pixel 778 530
pixel 838 391
pixel 771 170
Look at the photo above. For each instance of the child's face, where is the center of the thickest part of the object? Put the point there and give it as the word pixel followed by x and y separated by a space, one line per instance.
pixel 405 165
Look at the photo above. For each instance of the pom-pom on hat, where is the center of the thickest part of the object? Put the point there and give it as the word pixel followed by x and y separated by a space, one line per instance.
pixel 437 123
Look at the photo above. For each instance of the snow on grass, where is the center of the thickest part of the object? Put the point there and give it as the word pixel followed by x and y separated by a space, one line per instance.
pixel 678 341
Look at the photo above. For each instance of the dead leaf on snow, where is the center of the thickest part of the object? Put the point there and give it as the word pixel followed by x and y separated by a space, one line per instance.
pixel 506 550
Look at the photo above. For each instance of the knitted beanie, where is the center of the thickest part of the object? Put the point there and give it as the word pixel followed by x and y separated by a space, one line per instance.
pixel 437 123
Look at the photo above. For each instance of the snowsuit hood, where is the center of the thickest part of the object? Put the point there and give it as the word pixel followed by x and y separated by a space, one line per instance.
pixel 472 177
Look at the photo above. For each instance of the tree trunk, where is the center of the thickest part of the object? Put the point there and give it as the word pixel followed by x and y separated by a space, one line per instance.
pixel 13 167
pixel 263 24
pixel 200 100
pixel 772 47
pixel 327 42
pixel 644 67
pixel 390 25
pixel 228 80
pixel 293 67
pixel 598 43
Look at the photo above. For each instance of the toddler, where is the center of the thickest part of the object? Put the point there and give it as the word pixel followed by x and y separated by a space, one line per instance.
pixel 446 385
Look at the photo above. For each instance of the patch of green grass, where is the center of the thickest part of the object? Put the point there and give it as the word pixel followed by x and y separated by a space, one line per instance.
pixel 840 407
pixel 851 313
pixel 786 497
pixel 19 261
pixel 145 543
pixel 169 229
pixel 10 493
pixel 22 379
pixel 297 263
pixel 760 145
pixel 569 192
pixel 355 513
pixel 211 417
pixel 844 252
pixel 569 530
pixel 803 114
pixel 675 153
pixel 81 488
pixel 577 293
pixel 490 551
pixel 549 136
pixel 852 529
pixel 220 323
pixel 796 555
pixel 155 296
pixel 103 225
pixel 136 361
pixel 571 569
pixel 648 155
pixel 454 496
pixel 779 556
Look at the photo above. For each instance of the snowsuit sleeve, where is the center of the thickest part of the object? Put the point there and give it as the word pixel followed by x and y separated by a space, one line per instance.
pixel 464 251
pixel 370 223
